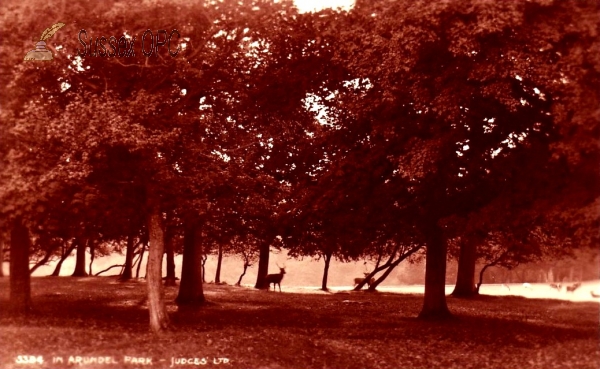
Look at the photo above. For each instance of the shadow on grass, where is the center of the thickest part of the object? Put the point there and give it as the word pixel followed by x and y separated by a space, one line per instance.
pixel 485 320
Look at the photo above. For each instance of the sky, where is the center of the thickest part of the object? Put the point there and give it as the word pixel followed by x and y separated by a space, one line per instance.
pixel 316 5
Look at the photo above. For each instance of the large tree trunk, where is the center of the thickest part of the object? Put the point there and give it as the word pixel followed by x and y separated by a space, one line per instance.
pixel 20 288
pixel 170 253
pixel 63 257
pixel 263 266
pixel 465 277
pixel 219 261
pixel 127 273
pixel 191 294
pixel 434 304
pixel 80 258
pixel 159 319
pixel 327 259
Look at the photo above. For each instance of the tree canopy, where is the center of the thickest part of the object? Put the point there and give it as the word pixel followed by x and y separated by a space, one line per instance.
pixel 376 132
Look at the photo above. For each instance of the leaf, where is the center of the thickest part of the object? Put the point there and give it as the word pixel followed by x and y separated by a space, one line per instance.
pixel 50 31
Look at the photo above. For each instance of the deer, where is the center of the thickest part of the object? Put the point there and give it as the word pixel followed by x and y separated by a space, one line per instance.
pixel 557 287
pixel 275 278
pixel 358 281
pixel 573 287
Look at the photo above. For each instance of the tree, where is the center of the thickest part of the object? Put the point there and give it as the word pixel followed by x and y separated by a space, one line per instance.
pixel 170 235
pixel 20 290
pixel 457 104
pixel 90 152
pixel 248 254
pixel 190 288
pixel 159 320
pixel 65 253
pixel 1 258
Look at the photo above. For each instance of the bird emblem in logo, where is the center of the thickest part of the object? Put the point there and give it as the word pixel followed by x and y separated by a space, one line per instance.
pixel 40 52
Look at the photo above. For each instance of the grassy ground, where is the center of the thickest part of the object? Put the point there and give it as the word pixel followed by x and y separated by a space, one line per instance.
pixel 100 317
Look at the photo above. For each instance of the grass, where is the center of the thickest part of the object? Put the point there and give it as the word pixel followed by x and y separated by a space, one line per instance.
pixel 99 317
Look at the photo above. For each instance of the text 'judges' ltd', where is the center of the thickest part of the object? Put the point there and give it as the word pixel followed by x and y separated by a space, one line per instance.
pixel 125 46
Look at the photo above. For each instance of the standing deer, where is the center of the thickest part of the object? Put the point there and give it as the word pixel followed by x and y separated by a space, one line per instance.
pixel 358 281
pixel 557 287
pixel 573 287
pixel 275 278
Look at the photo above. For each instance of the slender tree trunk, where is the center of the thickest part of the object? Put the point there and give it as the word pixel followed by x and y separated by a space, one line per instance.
pixel 139 266
pixel 63 257
pixel 481 275
pixel 159 319
pixel 570 274
pixel 170 253
pixel 204 260
pixel 127 273
pixel 80 258
pixel 246 265
pixel 20 287
pixel 263 266
pixel 1 258
pixel 44 261
pixel 327 259
pixel 434 304
pixel 388 267
pixel 219 261
pixel 109 268
pixel 191 294
pixel 92 255
pixel 465 277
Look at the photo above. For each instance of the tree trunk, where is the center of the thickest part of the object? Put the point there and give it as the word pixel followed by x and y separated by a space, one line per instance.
pixel 170 252
pixel 63 257
pixel 127 273
pixel 109 268
pixel 246 265
pixel 204 260
pixel 191 294
pixel 80 258
pixel 139 266
pixel 20 288
pixel 92 246
pixel 465 277
pixel 570 274
pixel 44 260
pixel 159 319
pixel 388 267
pixel 1 258
pixel 263 266
pixel 219 261
pixel 434 304
pixel 327 259
pixel 481 275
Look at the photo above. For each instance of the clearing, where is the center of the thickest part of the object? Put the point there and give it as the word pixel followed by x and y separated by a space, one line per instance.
pixel 105 323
